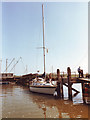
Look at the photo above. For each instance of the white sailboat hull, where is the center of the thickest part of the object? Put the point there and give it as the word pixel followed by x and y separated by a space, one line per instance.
pixel 43 89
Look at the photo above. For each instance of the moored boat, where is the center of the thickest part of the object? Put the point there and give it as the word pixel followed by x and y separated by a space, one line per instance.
pixel 40 86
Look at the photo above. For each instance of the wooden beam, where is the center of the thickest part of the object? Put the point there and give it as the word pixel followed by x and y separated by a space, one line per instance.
pixel 72 88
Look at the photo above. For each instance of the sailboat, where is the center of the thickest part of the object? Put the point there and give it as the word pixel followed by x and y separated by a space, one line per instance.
pixel 39 85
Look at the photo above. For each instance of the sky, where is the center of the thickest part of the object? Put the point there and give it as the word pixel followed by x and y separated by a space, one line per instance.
pixel 66 36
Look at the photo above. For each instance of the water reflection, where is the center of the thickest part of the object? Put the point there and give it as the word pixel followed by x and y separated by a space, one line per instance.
pixel 0 102
pixel 57 108
pixel 19 102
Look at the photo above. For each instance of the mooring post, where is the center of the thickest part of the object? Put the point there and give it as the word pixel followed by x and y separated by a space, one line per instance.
pixel 83 92
pixel 62 86
pixel 69 84
pixel 58 84
pixel 63 74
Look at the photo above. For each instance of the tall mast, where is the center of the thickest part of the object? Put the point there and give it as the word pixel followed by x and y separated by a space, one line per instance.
pixel 43 37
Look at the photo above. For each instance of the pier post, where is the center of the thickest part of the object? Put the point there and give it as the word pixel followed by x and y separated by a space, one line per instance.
pixel 63 74
pixel 83 92
pixel 58 84
pixel 69 83
pixel 62 86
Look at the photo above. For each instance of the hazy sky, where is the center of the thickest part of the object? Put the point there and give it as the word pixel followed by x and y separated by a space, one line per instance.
pixel 66 35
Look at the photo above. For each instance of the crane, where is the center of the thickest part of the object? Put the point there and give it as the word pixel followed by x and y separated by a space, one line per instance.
pixel 9 64
pixel 15 64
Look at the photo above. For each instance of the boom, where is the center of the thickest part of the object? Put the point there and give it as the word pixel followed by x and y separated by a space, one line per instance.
pixel 9 64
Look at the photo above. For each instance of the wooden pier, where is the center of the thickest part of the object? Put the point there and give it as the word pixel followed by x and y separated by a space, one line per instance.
pixel 68 82
pixel 63 80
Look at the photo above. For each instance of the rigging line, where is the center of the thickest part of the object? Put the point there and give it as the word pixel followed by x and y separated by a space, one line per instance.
pixel 37 52
pixel 15 64
pixel 26 70
pixel 80 60
pixel 37 60
pixel 9 64
pixel 78 64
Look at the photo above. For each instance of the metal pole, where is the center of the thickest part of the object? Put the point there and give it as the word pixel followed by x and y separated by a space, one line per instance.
pixel 0 65
pixel 6 65
pixel 26 69
pixel 9 64
pixel 52 71
pixel 43 37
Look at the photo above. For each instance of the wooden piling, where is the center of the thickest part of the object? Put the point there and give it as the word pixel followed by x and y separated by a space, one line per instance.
pixel 58 74
pixel 62 86
pixel 58 84
pixel 83 93
pixel 63 74
pixel 69 84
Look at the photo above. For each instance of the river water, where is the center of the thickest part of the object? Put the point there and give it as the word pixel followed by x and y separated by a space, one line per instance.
pixel 19 102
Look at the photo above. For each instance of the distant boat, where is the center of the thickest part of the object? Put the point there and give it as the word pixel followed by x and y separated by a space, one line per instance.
pixel 38 84
pixel 4 82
